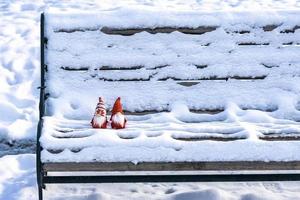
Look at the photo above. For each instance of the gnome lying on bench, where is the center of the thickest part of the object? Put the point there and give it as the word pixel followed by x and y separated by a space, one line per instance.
pixel 117 119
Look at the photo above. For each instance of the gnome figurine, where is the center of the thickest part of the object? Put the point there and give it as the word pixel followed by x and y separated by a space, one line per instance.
pixel 117 119
pixel 99 120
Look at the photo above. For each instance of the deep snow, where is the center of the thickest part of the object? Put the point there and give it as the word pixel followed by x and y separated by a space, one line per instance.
pixel 19 47
pixel 152 138
pixel 78 41
pixel 19 78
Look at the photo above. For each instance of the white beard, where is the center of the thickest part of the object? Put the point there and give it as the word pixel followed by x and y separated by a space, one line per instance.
pixel 118 118
pixel 99 120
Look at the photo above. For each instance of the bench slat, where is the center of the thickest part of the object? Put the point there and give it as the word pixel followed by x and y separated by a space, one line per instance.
pixel 117 68
pixel 110 42
pixel 132 31
pixel 172 72
pixel 183 81
pixel 205 93
pixel 283 58
pixel 265 137
pixel 185 30
pixel 176 166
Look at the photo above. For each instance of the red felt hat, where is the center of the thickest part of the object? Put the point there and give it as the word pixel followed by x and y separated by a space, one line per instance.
pixel 117 106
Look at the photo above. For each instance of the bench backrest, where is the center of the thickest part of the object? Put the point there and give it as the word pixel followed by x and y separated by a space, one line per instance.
pixel 204 63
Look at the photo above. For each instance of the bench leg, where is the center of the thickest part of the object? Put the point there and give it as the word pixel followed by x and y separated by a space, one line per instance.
pixel 41 185
pixel 40 188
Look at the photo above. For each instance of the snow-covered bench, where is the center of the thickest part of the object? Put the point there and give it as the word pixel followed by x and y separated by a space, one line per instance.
pixel 202 92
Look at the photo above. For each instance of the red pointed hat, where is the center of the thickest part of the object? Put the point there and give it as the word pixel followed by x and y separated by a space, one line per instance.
pixel 117 106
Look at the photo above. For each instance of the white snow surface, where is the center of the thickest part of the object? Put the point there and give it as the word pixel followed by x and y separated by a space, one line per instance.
pixel 19 78
pixel 76 41
pixel 154 138
pixel 19 45
pixel 176 55
pixel 18 182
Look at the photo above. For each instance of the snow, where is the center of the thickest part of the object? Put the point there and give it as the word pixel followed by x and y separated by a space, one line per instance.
pixel 19 44
pixel 75 42
pixel 18 182
pixel 19 79
pixel 160 137
pixel 175 55
pixel 19 70
pixel 154 17
pixel 17 177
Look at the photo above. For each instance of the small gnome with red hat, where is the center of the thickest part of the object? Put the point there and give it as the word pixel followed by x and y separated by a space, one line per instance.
pixel 118 120
pixel 100 120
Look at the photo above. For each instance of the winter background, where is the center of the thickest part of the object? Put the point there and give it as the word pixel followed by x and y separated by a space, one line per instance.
pixel 19 80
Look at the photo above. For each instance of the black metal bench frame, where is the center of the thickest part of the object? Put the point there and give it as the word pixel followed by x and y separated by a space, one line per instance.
pixel 291 172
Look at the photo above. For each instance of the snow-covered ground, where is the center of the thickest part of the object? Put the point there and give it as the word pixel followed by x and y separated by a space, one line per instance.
pixel 19 79
pixel 17 182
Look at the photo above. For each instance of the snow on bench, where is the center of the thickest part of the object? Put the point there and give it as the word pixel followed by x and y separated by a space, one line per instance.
pixel 197 88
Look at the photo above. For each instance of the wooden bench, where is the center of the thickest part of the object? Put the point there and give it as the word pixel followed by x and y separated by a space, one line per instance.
pixel 235 83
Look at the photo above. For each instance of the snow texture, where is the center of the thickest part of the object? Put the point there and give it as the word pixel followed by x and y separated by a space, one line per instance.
pixel 157 137
pixel 19 78
pixel 183 57
pixel 18 182
pixel 266 104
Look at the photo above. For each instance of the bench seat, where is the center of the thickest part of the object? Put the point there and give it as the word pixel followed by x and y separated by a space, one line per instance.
pixel 222 90
pixel 208 97
pixel 147 140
